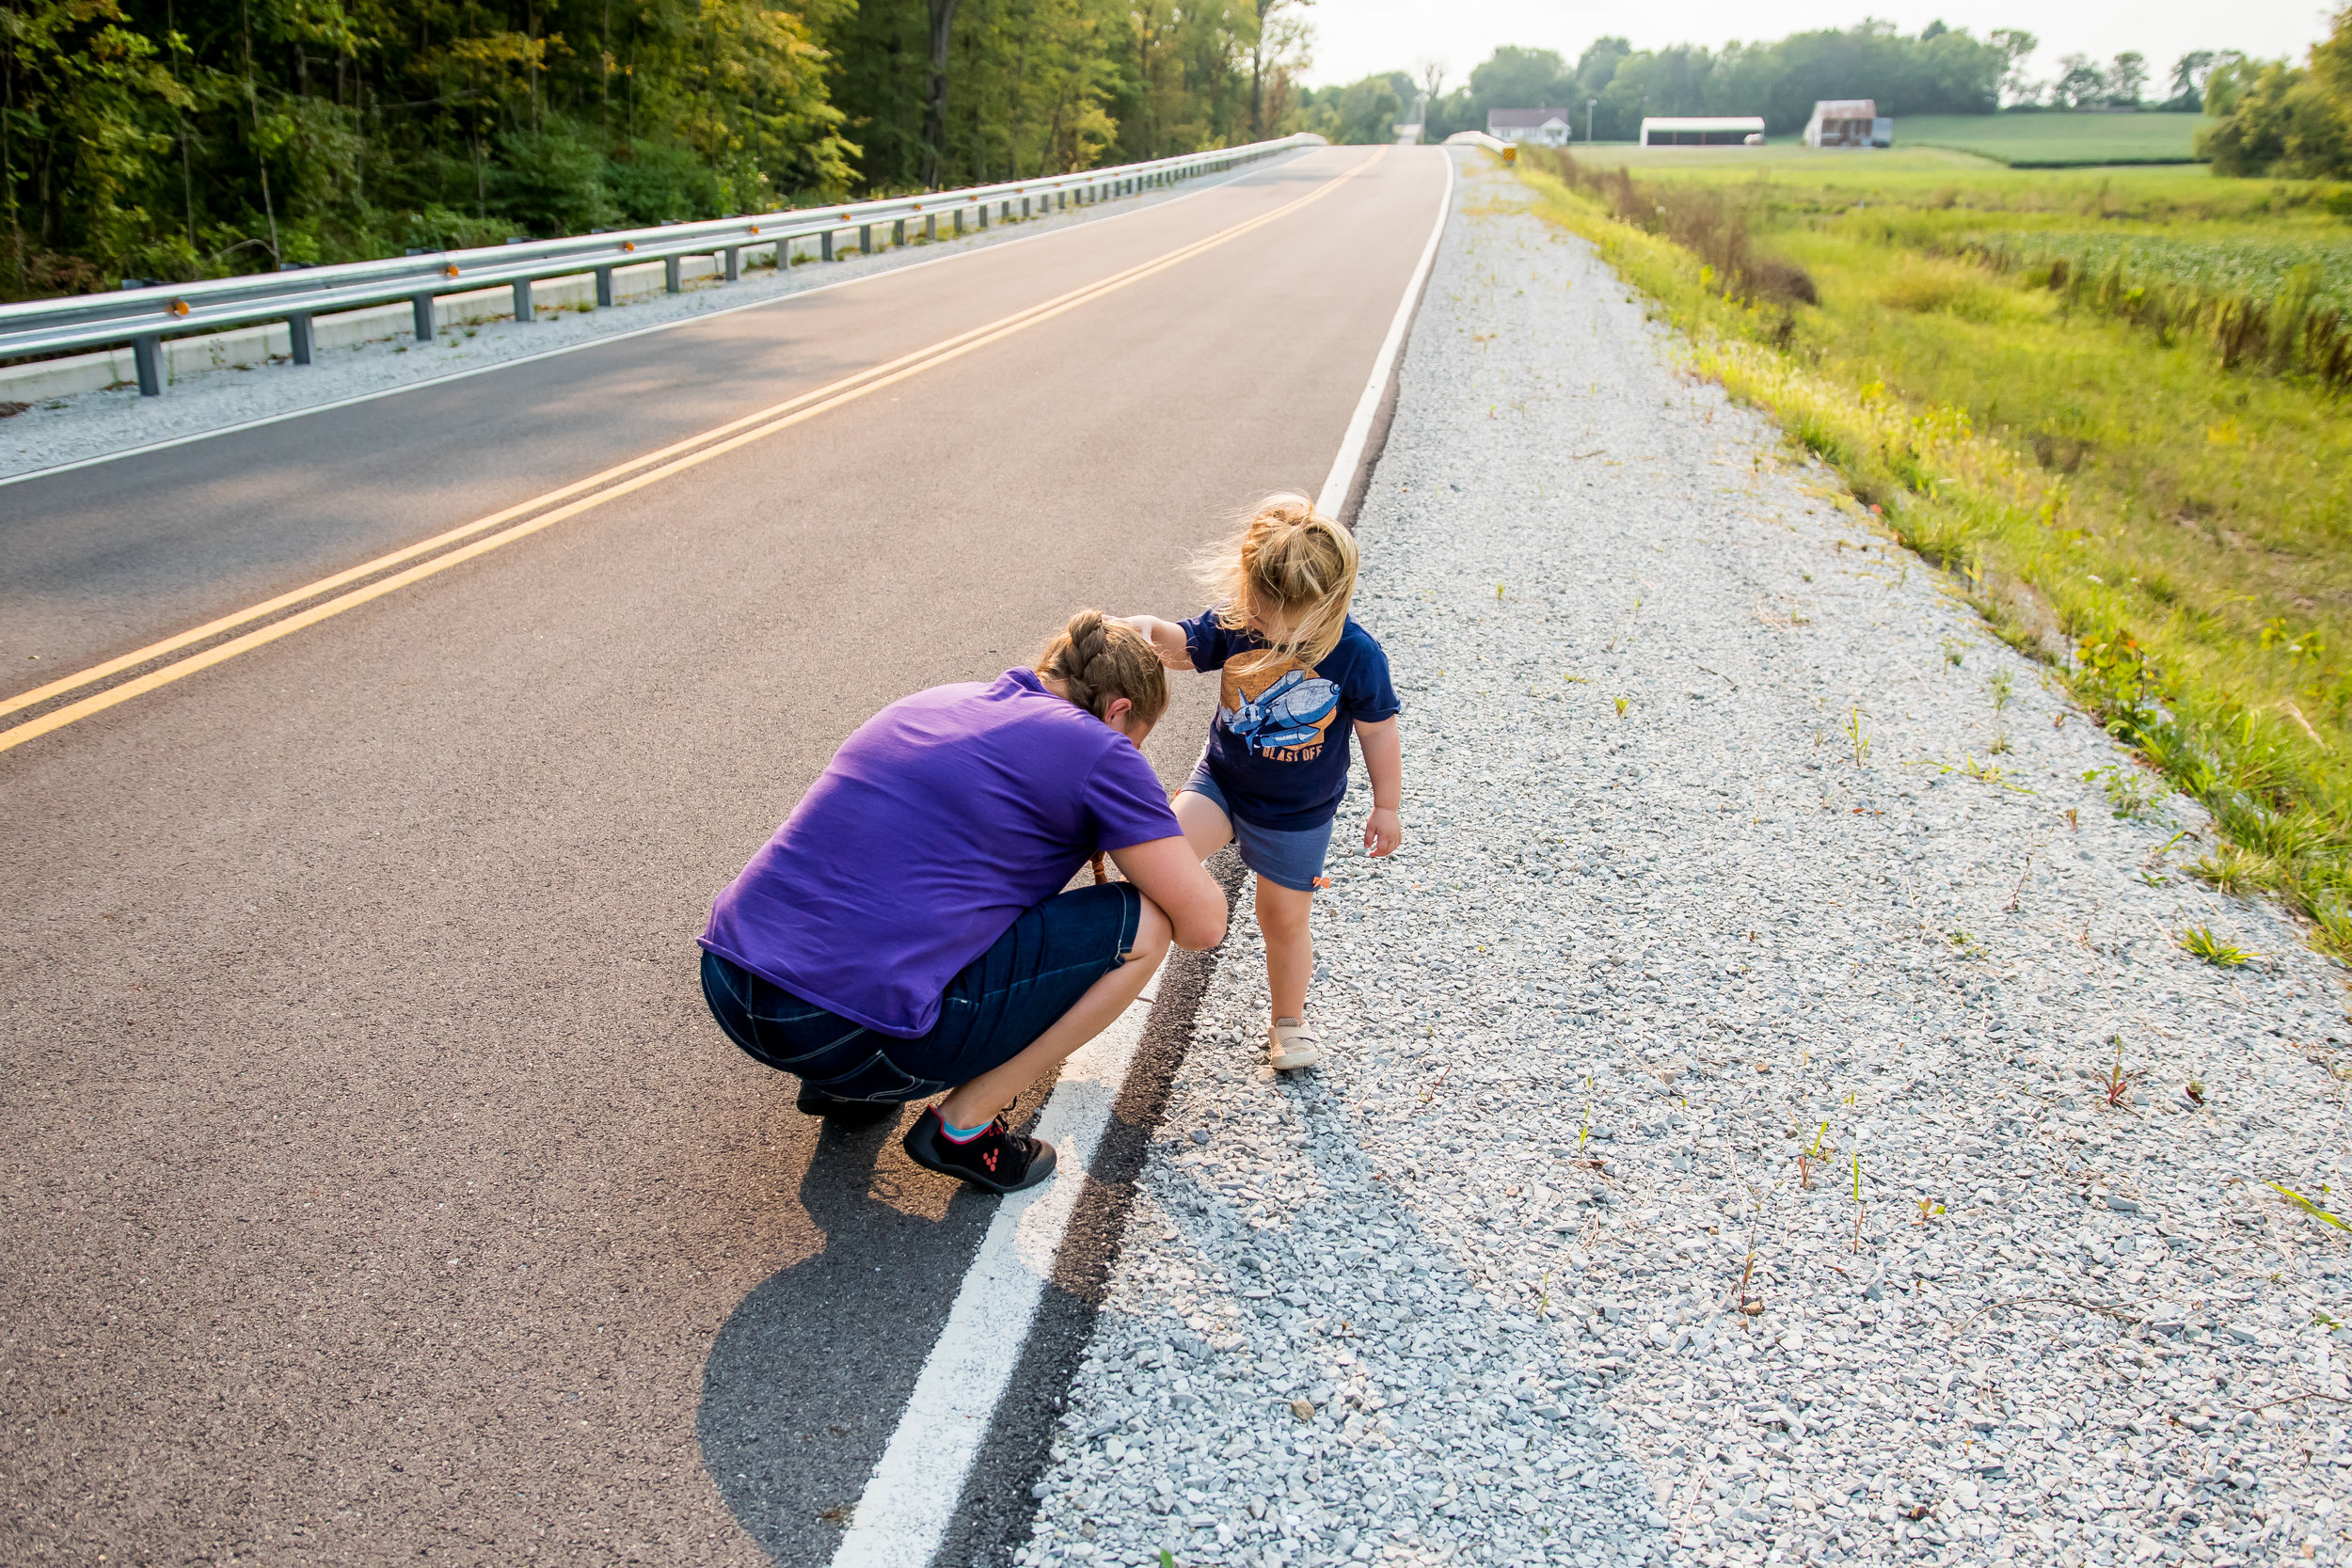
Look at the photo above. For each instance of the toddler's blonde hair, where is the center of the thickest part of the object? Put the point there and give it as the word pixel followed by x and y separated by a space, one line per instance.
pixel 1290 557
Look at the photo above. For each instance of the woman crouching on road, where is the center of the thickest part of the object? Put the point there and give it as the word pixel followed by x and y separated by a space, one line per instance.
pixel 904 932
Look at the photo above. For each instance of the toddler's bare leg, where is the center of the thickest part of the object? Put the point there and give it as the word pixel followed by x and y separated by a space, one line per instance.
pixel 1289 950
pixel 1206 828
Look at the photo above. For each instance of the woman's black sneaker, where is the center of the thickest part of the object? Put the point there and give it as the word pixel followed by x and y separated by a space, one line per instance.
pixel 814 1101
pixel 997 1161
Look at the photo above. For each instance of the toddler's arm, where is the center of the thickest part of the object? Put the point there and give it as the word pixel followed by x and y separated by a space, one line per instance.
pixel 1384 759
pixel 1166 636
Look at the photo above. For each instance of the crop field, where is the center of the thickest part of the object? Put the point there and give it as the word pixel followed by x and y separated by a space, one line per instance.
pixel 2057 140
pixel 2112 402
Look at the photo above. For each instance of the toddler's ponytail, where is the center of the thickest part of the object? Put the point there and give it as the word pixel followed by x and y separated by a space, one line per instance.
pixel 1290 557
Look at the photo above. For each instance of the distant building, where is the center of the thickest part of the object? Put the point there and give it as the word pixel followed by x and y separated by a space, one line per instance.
pixel 1542 127
pixel 1703 131
pixel 1849 122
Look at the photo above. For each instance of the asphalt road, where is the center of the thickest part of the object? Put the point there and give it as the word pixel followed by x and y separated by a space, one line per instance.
pixel 373 1182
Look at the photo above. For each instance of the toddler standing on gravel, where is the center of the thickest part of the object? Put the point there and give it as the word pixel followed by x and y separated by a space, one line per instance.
pixel 1299 676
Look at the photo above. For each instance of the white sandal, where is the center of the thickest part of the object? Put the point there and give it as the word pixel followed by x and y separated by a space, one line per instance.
pixel 1291 1044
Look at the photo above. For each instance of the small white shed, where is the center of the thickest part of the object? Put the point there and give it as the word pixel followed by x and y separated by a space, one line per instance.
pixel 1703 131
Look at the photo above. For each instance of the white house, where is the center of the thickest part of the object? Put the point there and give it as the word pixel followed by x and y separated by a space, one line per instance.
pixel 1703 131
pixel 1849 122
pixel 1541 127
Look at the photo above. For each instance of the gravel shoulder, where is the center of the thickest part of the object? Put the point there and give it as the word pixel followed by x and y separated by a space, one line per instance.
pixel 1746 874
pixel 94 425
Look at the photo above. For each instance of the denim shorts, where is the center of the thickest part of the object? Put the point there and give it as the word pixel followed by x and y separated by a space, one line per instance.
pixel 1294 859
pixel 995 1008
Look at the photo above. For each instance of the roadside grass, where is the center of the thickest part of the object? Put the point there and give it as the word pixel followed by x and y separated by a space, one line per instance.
pixel 2059 140
pixel 2168 532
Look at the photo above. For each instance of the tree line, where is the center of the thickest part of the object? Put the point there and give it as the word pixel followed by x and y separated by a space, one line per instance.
pixel 2280 118
pixel 174 139
pixel 1939 70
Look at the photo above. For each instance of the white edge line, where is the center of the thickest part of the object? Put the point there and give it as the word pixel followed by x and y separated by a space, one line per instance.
pixel 356 398
pixel 1343 476
pixel 910 1501
pixel 911 1498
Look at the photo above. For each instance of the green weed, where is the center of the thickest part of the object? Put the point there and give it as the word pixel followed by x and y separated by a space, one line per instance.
pixel 2309 1206
pixel 1856 739
pixel 2200 942
pixel 2117 1084
pixel 2236 872
pixel 2133 794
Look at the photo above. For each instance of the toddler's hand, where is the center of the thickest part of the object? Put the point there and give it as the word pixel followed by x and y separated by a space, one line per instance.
pixel 1383 832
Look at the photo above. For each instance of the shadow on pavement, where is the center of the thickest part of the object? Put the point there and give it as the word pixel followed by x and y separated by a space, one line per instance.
pixel 808 1374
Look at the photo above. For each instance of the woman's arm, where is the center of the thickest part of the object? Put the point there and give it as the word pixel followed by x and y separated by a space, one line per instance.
pixel 1384 759
pixel 1166 871
pixel 1167 638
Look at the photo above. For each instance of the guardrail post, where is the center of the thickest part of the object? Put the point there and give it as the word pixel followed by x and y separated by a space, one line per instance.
pixel 824 245
pixel 982 209
pixel 734 262
pixel 523 310
pixel 298 337
pixel 420 310
pixel 673 280
pixel 930 226
pixel 866 239
pixel 959 223
pixel 604 288
pixel 1025 209
pixel 148 352
pixel 899 232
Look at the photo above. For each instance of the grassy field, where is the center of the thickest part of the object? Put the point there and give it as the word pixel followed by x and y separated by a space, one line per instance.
pixel 2057 141
pixel 2166 521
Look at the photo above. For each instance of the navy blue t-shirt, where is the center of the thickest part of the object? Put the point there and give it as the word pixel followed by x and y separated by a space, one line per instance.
pixel 1278 747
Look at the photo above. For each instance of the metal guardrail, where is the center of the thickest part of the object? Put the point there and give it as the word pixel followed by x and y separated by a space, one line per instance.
pixel 145 316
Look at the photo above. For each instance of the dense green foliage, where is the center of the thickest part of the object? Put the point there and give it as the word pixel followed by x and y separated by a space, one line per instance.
pixel 166 139
pixel 2277 119
pixel 2155 508
pixel 1360 114
pixel 1943 71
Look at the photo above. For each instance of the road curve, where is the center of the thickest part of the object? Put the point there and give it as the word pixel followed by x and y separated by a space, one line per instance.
pixel 375 1185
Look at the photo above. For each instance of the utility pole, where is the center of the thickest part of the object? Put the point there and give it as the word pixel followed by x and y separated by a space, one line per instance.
pixel 1589 104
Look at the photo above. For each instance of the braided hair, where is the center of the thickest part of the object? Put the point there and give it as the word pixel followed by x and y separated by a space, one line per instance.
pixel 1099 660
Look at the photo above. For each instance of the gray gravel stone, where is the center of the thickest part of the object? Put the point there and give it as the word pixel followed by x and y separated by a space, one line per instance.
pixel 1560 1242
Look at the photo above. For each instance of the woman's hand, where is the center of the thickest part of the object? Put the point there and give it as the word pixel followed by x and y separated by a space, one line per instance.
pixel 1383 832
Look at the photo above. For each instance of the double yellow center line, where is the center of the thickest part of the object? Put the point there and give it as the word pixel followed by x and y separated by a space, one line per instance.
pixel 377 578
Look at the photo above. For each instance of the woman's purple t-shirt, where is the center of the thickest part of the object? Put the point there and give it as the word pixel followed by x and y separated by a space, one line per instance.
pixel 941 819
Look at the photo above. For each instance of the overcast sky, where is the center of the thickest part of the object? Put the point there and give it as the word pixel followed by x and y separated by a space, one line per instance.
pixel 1355 38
